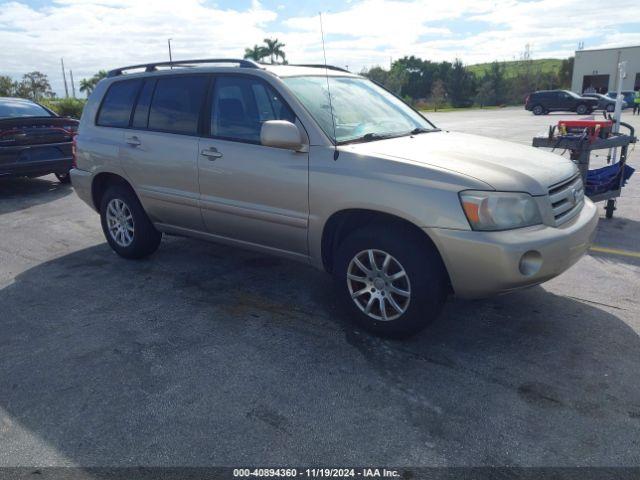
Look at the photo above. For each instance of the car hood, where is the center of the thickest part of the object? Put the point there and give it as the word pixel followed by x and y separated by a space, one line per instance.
pixel 502 165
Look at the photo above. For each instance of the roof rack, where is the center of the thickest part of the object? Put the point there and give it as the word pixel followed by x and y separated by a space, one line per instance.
pixel 152 67
pixel 320 65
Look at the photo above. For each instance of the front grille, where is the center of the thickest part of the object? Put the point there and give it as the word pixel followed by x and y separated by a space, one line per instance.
pixel 567 199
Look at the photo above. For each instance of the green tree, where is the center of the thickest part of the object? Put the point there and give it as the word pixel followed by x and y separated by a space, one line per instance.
pixel 485 94
pixel 461 85
pixel 88 84
pixel 256 53
pixel 274 49
pixel 438 94
pixel 7 86
pixel 393 80
pixel 565 74
pixel 34 86
pixel 496 78
pixel 377 74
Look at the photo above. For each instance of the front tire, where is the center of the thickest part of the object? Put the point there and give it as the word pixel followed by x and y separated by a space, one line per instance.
pixel 391 282
pixel 582 109
pixel 538 110
pixel 610 108
pixel 126 225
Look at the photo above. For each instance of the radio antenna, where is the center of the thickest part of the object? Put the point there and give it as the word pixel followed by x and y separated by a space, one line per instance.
pixel 326 72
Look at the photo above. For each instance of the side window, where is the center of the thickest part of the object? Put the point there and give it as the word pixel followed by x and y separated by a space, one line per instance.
pixel 117 104
pixel 176 104
pixel 141 114
pixel 241 105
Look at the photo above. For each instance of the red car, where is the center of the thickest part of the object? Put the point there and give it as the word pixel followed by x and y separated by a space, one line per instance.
pixel 34 141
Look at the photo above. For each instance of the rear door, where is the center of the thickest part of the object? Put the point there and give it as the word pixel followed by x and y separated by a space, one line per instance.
pixel 160 149
pixel 547 99
pixel 250 192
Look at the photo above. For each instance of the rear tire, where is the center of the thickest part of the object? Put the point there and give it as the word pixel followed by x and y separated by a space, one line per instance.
pixel 582 109
pixel 63 177
pixel 399 304
pixel 538 110
pixel 126 225
pixel 610 108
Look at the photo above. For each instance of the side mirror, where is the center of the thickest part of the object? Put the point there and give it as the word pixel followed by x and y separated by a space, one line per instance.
pixel 280 134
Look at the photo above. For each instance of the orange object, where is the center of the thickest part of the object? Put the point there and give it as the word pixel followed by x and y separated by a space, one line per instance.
pixel 595 128
pixel 472 211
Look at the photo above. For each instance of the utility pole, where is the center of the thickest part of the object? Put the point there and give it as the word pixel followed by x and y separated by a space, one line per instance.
pixel 170 58
pixel 64 78
pixel 73 85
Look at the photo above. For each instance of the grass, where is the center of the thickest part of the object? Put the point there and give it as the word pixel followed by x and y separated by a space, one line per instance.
pixel 512 68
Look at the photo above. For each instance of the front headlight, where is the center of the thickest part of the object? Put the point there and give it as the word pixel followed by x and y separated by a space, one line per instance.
pixel 499 210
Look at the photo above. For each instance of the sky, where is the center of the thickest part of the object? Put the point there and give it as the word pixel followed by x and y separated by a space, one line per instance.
pixel 102 34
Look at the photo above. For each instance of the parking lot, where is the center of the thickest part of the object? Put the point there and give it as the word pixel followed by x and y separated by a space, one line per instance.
pixel 208 355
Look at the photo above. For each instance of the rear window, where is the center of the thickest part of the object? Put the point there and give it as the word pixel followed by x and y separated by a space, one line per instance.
pixel 117 104
pixel 176 104
pixel 11 108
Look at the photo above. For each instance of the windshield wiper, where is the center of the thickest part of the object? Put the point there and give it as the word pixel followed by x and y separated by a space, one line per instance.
pixel 370 137
pixel 418 130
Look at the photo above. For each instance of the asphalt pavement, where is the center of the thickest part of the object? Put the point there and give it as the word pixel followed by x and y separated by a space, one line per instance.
pixel 209 355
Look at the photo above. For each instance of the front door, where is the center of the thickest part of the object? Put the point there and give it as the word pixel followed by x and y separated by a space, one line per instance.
pixel 566 101
pixel 252 193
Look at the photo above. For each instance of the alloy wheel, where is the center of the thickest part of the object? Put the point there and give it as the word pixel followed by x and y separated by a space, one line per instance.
pixel 120 222
pixel 379 285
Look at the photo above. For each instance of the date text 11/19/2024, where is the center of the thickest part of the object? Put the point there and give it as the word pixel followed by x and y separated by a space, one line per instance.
pixel 316 472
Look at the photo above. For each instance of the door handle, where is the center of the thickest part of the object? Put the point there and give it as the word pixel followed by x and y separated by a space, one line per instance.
pixel 211 153
pixel 133 141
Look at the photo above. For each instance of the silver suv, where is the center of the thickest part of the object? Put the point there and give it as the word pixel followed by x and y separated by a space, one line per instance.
pixel 323 166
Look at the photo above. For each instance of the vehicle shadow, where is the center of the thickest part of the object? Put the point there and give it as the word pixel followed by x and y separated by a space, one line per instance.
pixel 618 233
pixel 208 355
pixel 20 193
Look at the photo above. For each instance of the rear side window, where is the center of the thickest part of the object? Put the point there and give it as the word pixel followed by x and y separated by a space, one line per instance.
pixel 176 104
pixel 118 103
pixel 241 105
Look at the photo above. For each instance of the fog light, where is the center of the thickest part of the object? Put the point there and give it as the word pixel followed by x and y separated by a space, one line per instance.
pixel 530 263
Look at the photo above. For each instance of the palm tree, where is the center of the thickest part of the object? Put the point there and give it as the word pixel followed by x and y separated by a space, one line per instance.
pixel 256 53
pixel 274 50
pixel 87 85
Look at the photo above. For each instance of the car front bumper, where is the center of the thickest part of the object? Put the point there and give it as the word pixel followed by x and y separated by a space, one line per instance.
pixel 81 181
pixel 482 264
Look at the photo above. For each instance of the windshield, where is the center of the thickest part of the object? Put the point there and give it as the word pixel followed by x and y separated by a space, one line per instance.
pixel 363 111
pixel 10 108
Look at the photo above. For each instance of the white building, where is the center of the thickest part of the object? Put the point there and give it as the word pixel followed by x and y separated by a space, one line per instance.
pixel 598 69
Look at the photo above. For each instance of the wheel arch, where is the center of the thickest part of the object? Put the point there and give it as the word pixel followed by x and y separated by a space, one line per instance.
pixel 341 223
pixel 101 182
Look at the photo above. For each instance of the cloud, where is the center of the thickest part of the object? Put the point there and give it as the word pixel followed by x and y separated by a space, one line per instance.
pixel 102 34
